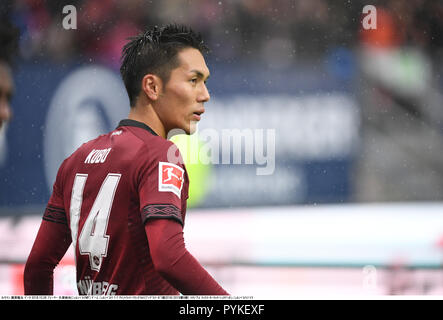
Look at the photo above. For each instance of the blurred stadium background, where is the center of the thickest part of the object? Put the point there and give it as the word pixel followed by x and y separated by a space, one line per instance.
pixel 354 206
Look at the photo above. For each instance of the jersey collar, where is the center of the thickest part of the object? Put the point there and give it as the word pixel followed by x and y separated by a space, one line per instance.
pixel 134 123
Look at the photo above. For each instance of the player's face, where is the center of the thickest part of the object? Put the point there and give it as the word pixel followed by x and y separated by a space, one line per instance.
pixel 183 96
pixel 6 90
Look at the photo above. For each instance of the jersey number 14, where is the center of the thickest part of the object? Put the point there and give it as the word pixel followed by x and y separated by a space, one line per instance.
pixel 93 240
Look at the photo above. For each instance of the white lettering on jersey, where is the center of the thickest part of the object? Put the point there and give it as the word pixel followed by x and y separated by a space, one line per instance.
pixel 89 287
pixel 97 156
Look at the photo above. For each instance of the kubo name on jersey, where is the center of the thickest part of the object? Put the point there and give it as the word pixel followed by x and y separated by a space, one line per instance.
pixel 97 156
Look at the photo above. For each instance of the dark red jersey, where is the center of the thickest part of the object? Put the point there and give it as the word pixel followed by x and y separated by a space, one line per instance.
pixel 121 201
pixel 107 189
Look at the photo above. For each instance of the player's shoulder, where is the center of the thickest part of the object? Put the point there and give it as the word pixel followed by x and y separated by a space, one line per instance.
pixel 83 150
pixel 160 149
pixel 86 146
pixel 71 159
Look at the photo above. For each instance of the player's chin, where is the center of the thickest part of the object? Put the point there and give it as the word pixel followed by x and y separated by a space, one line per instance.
pixel 193 126
pixel 187 128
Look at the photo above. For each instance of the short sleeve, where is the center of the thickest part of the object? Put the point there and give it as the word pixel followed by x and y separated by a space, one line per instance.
pixel 163 184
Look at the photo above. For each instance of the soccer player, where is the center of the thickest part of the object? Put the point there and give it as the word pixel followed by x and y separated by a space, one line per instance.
pixel 119 198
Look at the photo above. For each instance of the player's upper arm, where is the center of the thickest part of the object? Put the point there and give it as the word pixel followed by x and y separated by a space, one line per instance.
pixel 162 185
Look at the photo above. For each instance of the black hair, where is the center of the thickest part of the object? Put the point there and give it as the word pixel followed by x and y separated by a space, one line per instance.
pixel 155 51
pixel 9 35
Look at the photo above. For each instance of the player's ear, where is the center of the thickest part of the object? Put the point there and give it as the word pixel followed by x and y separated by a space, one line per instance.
pixel 151 86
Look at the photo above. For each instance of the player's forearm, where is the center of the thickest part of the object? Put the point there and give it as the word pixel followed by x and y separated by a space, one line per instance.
pixel 190 278
pixel 174 262
pixel 37 279
pixel 50 245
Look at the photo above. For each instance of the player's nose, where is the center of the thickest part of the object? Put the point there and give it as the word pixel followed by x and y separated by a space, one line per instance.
pixel 204 95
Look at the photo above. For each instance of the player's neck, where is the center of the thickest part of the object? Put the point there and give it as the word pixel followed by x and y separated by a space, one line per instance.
pixel 148 116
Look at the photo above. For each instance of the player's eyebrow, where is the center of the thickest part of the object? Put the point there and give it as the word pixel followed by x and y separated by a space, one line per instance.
pixel 200 74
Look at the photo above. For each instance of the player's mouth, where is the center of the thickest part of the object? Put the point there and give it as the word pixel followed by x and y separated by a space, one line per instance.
pixel 197 115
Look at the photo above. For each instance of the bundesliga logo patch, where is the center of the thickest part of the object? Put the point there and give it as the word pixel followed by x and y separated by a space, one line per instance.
pixel 170 178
